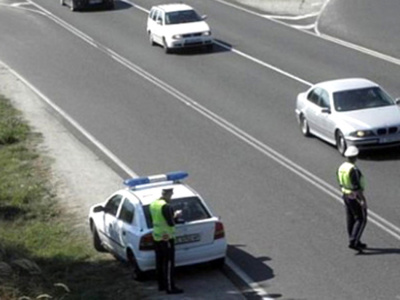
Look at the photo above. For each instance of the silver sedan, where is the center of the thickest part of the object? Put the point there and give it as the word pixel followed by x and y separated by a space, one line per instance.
pixel 352 111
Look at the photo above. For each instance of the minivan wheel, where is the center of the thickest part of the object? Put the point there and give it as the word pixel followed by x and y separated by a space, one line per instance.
pixel 341 144
pixel 151 40
pixel 166 49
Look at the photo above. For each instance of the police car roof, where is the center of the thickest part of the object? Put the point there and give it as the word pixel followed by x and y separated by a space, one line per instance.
pixel 151 192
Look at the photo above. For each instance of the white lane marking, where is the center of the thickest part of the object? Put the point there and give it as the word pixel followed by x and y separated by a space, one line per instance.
pixel 264 64
pixel 261 292
pixel 292 18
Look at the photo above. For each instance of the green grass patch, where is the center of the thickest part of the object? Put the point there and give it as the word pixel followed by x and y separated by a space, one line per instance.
pixel 42 256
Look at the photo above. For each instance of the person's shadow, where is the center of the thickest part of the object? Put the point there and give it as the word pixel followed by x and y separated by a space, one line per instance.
pixel 379 251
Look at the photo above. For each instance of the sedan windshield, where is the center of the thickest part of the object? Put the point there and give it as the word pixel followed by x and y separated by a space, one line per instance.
pixel 184 16
pixel 361 99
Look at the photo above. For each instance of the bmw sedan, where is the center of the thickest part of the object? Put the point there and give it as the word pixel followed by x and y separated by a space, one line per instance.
pixel 352 111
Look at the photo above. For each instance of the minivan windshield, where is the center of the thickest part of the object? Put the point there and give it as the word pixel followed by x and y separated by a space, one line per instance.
pixel 183 16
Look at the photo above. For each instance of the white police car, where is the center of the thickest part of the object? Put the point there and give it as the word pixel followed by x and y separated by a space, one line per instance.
pixel 122 224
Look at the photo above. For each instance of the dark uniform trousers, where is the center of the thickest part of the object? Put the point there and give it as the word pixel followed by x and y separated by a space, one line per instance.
pixel 165 264
pixel 356 218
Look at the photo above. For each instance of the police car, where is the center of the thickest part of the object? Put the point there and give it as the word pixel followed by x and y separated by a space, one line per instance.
pixel 122 224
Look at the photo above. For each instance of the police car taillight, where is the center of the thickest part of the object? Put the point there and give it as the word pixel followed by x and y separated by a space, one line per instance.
pixel 146 242
pixel 219 232
pixel 171 176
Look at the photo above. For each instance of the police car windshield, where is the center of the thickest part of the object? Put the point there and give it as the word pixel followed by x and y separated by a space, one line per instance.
pixel 192 210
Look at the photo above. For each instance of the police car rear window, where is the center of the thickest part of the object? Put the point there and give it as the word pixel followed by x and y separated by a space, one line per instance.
pixel 192 210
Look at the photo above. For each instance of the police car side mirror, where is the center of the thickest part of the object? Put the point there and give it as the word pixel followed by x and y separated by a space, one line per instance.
pixel 98 208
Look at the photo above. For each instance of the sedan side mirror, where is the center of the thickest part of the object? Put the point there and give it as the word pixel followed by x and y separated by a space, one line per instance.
pixel 398 101
pixel 98 208
pixel 325 110
pixel 203 17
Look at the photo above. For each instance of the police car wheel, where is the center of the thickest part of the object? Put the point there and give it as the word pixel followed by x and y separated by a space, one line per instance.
pixel 137 274
pixel 96 240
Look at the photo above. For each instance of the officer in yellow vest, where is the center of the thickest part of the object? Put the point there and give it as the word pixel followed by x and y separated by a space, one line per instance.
pixel 163 219
pixel 352 184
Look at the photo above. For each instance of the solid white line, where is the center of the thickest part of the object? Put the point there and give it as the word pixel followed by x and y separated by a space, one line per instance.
pixel 292 18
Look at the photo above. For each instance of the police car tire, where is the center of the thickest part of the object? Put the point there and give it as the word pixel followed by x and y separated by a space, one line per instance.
pixel 137 274
pixel 96 240
pixel 305 129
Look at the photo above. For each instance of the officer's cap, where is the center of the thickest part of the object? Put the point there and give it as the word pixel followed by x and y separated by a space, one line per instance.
pixel 167 191
pixel 351 151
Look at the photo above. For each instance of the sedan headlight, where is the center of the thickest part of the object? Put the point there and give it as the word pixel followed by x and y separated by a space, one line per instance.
pixel 177 36
pixel 362 133
pixel 206 33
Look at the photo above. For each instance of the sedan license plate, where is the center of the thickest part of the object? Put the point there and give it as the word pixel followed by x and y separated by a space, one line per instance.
pixel 190 238
pixel 390 139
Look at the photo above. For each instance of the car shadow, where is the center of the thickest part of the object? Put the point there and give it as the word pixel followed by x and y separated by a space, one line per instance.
pixel 217 48
pixel 379 251
pixel 118 5
pixel 380 154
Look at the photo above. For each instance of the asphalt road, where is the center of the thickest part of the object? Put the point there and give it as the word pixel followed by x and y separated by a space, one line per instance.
pixel 227 118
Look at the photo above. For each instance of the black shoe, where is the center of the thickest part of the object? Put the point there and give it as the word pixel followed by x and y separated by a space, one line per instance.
pixel 362 245
pixel 175 291
pixel 355 247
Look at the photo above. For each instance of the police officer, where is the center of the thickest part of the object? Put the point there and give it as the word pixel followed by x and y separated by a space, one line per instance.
pixel 164 239
pixel 352 184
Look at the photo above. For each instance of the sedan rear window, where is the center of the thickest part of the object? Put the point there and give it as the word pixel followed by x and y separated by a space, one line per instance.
pixel 185 16
pixel 192 210
pixel 361 99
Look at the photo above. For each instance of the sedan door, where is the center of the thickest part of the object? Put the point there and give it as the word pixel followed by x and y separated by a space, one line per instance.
pixel 109 222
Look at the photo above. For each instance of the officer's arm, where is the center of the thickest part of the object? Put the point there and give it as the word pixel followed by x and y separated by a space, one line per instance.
pixel 355 179
pixel 168 214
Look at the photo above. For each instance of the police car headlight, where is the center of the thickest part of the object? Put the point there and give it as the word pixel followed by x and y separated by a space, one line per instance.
pixel 362 133
pixel 177 36
pixel 206 33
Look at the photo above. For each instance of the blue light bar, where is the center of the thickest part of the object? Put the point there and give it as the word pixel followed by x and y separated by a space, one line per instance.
pixel 171 176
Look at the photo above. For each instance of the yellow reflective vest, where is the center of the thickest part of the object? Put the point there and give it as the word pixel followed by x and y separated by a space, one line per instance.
pixel 161 230
pixel 345 180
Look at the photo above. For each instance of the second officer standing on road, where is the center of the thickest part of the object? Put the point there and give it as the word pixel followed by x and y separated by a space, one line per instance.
pixel 352 184
pixel 164 240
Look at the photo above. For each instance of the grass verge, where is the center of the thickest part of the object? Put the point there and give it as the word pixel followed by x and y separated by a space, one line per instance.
pixel 42 256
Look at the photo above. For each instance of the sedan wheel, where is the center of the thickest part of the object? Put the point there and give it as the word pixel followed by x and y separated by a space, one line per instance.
pixel 341 144
pixel 305 130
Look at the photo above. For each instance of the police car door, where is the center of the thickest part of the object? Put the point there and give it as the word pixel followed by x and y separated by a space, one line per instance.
pixel 126 228
pixel 110 220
